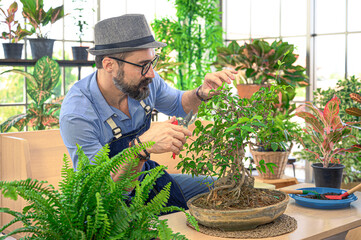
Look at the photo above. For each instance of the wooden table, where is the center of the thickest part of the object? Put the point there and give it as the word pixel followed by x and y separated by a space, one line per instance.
pixel 312 223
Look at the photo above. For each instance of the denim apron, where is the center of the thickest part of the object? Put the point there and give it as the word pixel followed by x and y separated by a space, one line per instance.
pixel 120 142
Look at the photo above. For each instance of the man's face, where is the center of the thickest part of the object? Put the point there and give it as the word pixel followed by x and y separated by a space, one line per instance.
pixel 129 79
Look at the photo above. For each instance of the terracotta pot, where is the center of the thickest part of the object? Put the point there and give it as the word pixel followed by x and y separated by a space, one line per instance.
pixel 235 220
pixel 278 158
pixel 247 90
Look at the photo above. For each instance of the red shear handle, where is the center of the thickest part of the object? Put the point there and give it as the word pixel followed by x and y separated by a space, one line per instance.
pixel 175 122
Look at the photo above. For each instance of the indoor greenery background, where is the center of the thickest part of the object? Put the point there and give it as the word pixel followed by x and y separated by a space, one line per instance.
pixel 192 39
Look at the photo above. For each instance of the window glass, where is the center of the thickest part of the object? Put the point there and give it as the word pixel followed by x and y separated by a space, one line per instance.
pixel 353 55
pixel 11 86
pixel 79 11
pixel 353 15
pixel 165 8
pixel 237 17
pixel 8 111
pixel 265 18
pixel 330 16
pixel 329 60
pixel 293 17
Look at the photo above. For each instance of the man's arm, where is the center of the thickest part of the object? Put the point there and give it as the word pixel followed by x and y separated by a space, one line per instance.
pixel 190 100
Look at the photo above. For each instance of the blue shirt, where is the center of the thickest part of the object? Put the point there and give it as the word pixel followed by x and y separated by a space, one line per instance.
pixel 84 112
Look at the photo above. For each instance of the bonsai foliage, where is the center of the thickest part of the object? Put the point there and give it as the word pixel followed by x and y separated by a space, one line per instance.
pixel 219 149
pixel 326 130
pixel 192 38
pixel 15 33
pixel 41 113
pixel 34 11
pixel 90 205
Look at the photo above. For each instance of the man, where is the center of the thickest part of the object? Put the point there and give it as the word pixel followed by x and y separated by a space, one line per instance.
pixel 114 104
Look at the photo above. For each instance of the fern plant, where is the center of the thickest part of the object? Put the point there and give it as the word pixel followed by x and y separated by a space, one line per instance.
pixel 90 205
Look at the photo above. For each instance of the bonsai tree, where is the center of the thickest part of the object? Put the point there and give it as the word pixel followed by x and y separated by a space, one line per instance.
pixel 219 149
pixel 33 10
pixel 90 205
pixel 41 113
pixel 326 130
pixel 15 33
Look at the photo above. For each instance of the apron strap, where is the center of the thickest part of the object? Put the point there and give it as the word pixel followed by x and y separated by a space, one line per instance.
pixel 117 131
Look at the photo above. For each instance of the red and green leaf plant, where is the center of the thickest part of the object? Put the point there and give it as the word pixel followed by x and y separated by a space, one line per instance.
pixel 9 19
pixel 219 150
pixel 33 10
pixel 326 130
pixel 42 113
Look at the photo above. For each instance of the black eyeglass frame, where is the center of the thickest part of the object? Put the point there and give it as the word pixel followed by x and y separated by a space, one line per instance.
pixel 145 67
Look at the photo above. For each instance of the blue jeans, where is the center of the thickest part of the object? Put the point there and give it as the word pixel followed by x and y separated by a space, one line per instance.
pixel 191 186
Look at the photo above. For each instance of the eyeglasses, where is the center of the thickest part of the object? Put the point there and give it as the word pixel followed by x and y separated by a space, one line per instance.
pixel 145 67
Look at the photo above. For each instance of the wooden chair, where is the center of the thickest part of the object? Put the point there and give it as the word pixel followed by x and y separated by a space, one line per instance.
pixel 35 154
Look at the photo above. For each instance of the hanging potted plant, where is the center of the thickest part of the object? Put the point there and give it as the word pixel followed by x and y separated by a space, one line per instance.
pixel 233 203
pixel 326 130
pixel 13 49
pixel 34 11
pixel 80 52
pixel 260 64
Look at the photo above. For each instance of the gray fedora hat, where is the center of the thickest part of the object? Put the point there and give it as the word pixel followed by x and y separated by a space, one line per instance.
pixel 125 33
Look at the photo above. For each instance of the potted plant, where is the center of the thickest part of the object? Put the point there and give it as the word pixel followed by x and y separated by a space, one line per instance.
pixel 219 152
pixel 41 113
pixel 80 52
pixel 343 89
pixel 274 141
pixel 33 10
pixel 90 205
pixel 260 64
pixel 326 130
pixel 13 49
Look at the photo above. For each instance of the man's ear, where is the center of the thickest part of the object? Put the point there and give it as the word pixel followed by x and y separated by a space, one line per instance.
pixel 108 64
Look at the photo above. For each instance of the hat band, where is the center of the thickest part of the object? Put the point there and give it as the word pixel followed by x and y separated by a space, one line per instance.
pixel 131 43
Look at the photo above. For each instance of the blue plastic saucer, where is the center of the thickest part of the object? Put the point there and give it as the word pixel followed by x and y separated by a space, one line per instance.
pixel 323 204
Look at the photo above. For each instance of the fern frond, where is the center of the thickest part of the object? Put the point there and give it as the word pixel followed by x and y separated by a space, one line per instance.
pixel 142 192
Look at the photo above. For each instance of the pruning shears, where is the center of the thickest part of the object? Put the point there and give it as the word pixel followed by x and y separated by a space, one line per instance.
pixel 185 122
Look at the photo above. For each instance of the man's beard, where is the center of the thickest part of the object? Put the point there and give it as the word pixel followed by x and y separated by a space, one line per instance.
pixel 137 92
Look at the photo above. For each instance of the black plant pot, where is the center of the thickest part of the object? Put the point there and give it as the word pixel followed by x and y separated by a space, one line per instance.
pixel 41 47
pixel 328 177
pixel 80 53
pixel 13 50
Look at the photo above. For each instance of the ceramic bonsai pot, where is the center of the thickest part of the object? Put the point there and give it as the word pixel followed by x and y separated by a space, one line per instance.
pixel 235 220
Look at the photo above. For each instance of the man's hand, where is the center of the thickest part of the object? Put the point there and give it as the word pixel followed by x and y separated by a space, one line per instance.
pixel 213 80
pixel 167 137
